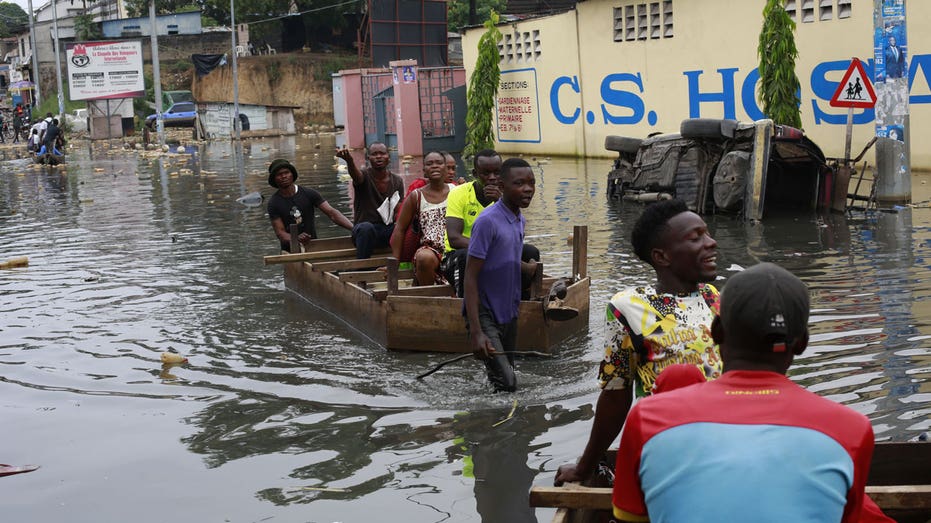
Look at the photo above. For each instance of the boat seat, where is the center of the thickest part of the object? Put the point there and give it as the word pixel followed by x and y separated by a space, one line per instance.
pixel 437 291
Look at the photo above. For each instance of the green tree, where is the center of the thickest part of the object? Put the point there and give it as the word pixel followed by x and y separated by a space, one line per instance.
pixel 457 16
pixel 779 84
pixel 483 88
pixel 86 29
pixel 12 19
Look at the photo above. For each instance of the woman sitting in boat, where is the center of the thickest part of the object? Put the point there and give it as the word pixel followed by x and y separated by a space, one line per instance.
pixel 425 208
pixel 412 237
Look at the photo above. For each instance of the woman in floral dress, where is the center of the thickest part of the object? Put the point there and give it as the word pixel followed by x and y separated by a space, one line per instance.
pixel 425 209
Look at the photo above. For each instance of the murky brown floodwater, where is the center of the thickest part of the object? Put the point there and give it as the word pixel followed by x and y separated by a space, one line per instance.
pixel 284 414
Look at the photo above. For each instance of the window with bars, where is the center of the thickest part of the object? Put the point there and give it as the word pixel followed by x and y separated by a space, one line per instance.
pixel 809 11
pixel 843 8
pixel 645 21
pixel 520 47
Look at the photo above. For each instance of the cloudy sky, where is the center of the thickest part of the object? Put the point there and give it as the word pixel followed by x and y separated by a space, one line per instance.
pixel 24 4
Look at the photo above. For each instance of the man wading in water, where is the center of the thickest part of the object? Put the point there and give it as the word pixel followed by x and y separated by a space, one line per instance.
pixel 650 328
pixel 493 275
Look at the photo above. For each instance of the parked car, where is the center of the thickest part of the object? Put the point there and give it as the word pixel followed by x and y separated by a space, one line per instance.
pixel 181 114
pixel 173 97
pixel 724 166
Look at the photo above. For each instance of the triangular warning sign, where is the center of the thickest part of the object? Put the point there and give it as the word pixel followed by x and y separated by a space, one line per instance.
pixel 855 90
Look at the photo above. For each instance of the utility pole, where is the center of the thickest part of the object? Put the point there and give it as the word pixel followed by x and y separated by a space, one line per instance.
pixel 156 75
pixel 61 93
pixel 893 142
pixel 35 56
pixel 236 125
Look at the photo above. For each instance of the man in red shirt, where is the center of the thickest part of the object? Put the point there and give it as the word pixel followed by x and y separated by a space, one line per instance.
pixel 751 445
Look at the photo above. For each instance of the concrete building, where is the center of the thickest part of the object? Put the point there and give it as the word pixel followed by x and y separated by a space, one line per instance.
pixel 629 67
pixel 173 24
pixel 256 120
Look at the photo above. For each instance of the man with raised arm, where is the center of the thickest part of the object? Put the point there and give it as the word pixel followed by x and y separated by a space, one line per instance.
pixel 377 193
pixel 649 328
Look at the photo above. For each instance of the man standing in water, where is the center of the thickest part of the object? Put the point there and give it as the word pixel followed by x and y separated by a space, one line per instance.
pixel 292 204
pixel 465 203
pixel 377 193
pixel 751 445
pixel 651 328
pixel 493 275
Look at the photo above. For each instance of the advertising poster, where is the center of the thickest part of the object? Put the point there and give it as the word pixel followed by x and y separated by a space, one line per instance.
pixel 101 70
pixel 890 49
pixel 517 108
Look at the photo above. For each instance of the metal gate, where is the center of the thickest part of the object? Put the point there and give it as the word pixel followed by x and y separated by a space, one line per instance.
pixel 442 109
pixel 378 108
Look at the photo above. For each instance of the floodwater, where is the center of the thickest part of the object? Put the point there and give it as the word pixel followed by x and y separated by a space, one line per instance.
pixel 285 414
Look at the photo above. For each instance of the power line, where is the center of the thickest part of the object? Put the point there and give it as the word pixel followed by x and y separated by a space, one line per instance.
pixel 303 12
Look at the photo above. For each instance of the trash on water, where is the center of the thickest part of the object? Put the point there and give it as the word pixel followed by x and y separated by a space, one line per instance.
pixel 251 200
pixel 172 357
pixel 21 261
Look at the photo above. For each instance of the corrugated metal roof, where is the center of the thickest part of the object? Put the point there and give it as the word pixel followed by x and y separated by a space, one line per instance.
pixel 537 7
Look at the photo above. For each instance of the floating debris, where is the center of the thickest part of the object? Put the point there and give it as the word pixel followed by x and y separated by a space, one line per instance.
pixel 21 261
pixel 172 357
pixel 252 199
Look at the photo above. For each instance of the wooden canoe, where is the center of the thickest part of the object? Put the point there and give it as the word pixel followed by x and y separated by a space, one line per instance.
pixel 899 482
pixel 383 306
pixel 49 159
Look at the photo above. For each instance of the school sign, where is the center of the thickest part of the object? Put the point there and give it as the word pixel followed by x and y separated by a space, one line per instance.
pixel 634 68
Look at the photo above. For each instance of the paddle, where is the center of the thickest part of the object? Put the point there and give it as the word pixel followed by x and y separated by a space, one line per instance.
pixel 469 355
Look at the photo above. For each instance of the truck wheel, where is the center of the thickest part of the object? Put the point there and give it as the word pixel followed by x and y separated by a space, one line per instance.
pixel 622 144
pixel 707 128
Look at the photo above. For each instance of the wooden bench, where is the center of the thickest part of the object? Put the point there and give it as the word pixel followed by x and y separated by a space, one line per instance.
pixel 899 482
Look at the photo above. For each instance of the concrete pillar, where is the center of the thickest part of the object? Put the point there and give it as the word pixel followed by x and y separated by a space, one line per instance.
pixel 407 107
pixel 352 108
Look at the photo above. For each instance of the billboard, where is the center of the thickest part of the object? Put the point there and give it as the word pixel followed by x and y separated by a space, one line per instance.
pixel 408 29
pixel 101 70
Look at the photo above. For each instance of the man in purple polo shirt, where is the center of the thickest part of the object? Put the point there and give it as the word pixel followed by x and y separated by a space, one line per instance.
pixel 493 275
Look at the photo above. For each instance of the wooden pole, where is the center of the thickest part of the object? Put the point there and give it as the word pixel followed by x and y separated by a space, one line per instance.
pixel 580 251
pixel 393 266
pixel 295 243
pixel 849 136
pixel 536 286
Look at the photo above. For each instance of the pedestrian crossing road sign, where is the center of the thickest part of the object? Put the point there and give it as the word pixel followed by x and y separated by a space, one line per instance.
pixel 855 90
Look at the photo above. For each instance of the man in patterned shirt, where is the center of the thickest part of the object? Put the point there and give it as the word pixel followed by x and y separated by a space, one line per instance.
pixel 649 328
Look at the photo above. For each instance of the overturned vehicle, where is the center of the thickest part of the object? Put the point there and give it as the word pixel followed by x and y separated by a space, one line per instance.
pixel 725 166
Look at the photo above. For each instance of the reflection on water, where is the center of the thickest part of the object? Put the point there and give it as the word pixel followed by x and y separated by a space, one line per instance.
pixel 284 413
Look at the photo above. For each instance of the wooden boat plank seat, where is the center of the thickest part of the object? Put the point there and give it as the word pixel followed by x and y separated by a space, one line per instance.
pixel 899 482
pixel 888 497
pixel 371 276
pixel 425 290
pixel 349 265
pixel 334 254
pixel 901 463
